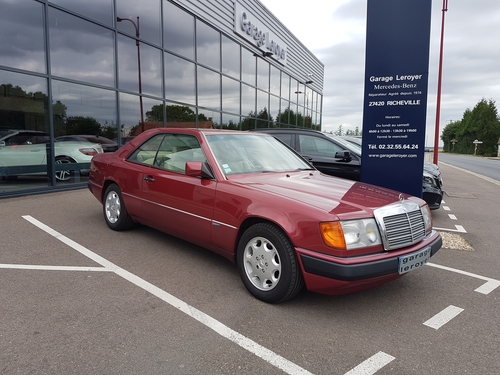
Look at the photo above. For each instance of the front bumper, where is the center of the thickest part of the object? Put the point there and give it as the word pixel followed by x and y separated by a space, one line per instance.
pixel 362 270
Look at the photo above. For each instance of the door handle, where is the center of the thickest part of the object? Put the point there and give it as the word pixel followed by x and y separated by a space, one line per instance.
pixel 149 178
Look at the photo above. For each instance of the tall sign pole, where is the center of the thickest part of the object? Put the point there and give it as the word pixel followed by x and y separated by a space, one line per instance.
pixel 395 101
pixel 440 74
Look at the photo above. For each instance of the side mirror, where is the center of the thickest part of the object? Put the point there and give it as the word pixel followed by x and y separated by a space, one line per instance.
pixel 198 169
pixel 344 155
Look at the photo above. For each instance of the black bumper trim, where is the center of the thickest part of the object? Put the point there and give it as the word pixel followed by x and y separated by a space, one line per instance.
pixel 355 272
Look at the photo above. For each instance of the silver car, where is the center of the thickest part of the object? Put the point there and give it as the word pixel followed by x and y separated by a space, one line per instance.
pixel 24 152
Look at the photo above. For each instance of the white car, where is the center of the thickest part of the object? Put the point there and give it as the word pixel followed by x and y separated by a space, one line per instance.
pixel 24 152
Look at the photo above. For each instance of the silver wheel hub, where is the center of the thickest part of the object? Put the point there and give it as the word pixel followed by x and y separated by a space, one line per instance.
pixel 112 207
pixel 63 175
pixel 262 263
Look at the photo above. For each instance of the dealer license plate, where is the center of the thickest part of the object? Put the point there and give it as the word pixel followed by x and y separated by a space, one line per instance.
pixel 413 261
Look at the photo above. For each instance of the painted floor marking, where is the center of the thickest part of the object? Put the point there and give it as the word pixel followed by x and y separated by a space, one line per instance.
pixel 452 217
pixel 446 208
pixel 487 288
pixel 440 319
pixel 53 268
pixel 223 330
pixel 372 364
pixel 459 229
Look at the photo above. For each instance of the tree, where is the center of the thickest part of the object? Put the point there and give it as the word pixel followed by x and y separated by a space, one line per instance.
pixel 481 123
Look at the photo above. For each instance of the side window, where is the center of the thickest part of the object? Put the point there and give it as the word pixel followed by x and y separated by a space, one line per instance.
pixel 146 153
pixel 176 150
pixel 287 138
pixel 317 146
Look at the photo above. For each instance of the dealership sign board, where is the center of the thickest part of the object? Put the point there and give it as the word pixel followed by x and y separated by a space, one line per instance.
pixel 395 99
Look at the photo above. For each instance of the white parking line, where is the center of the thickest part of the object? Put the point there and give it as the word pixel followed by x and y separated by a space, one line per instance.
pixel 440 319
pixel 459 229
pixel 372 364
pixel 446 208
pixel 488 287
pixel 53 268
pixel 226 332
pixel 452 217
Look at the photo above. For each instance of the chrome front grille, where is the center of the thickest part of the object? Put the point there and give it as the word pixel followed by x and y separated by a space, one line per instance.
pixel 401 224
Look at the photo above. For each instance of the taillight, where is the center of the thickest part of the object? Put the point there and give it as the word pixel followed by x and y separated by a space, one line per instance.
pixel 88 151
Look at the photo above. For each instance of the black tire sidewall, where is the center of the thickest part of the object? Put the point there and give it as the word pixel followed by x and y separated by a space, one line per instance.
pixel 290 277
pixel 124 221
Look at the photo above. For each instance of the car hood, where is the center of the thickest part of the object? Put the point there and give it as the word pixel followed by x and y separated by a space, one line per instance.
pixel 314 189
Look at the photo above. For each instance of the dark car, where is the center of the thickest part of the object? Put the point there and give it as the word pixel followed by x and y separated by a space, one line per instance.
pixel 255 201
pixel 341 157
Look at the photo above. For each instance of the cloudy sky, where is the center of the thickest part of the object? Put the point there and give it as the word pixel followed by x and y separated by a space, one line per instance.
pixel 335 31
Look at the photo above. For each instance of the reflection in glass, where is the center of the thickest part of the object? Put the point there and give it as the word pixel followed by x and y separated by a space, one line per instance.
pixel 247 100
pixel 248 66
pixel 275 81
pixel 263 74
pixel 80 50
pixel 230 95
pixel 179 79
pixel 208 88
pixel 274 108
pixel 262 105
pixel 83 110
pixel 98 10
pixel 149 15
pixel 178 30
pixel 23 150
pixel 295 91
pixel 230 57
pixel 283 119
pixel 207 45
pixel 151 69
pixel 230 122
pixel 21 35
pixel 130 114
pixel 285 86
pixel 208 118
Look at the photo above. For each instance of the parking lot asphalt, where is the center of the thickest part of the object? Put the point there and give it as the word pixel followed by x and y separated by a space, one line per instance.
pixel 78 298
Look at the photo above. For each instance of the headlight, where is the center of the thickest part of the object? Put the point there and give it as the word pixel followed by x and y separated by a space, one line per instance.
pixel 429 179
pixel 426 214
pixel 351 234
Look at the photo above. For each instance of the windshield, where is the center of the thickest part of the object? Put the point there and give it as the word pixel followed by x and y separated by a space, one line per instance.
pixel 253 153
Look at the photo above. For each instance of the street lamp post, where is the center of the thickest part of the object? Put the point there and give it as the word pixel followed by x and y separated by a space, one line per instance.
pixel 119 19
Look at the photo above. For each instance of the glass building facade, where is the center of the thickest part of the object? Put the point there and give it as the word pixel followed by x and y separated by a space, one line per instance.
pixel 81 77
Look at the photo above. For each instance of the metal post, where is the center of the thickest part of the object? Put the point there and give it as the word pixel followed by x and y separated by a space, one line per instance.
pixel 138 63
pixel 440 73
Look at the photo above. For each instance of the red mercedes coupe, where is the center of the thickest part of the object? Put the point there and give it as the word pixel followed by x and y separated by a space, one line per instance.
pixel 255 201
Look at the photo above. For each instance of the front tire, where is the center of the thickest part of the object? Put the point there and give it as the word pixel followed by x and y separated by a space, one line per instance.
pixel 267 264
pixel 64 175
pixel 114 210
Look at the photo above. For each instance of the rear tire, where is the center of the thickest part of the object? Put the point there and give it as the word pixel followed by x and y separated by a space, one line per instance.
pixel 114 210
pixel 267 264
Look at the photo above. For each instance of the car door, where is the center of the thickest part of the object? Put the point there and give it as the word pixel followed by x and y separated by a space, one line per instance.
pixel 321 152
pixel 172 201
pixel 22 150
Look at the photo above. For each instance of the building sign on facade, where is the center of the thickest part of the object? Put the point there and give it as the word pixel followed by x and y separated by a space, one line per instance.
pixel 395 102
pixel 249 27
